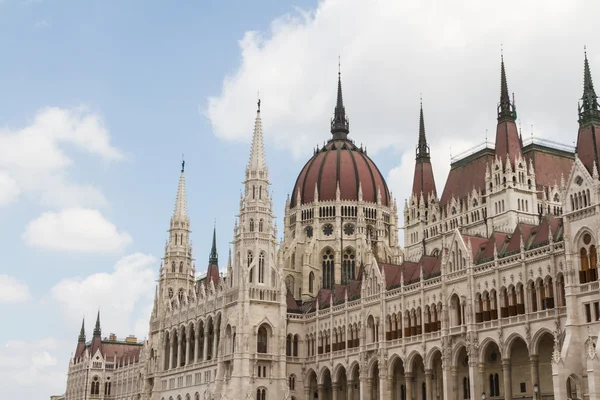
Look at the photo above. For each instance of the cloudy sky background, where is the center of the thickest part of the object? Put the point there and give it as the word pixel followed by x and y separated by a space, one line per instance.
pixel 101 98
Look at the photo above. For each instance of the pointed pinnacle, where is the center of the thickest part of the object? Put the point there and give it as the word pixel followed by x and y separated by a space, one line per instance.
pixel 97 330
pixel 257 153
pixel 214 258
pixel 180 211
pixel 82 332
pixel 589 108
pixel 505 108
pixel 339 124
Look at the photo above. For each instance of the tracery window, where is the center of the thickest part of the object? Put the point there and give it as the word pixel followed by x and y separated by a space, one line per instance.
pixel 311 282
pixel 328 230
pixel 261 340
pixel 261 267
pixel 260 225
pixel 349 229
pixel 588 260
pixel 328 269
pixel 251 224
pixel 348 266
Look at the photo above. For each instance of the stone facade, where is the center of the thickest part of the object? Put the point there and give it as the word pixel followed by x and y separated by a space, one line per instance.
pixel 495 293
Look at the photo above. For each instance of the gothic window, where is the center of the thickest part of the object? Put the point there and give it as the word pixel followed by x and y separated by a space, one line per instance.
pixel 260 225
pixel 295 345
pixel 348 266
pixel 261 267
pixel 349 229
pixel 260 192
pixel 309 231
pixel 261 394
pixel 107 388
pixel 253 192
pixel 292 384
pixel 293 261
pixel 328 269
pixel 180 295
pixel 588 260
pixel 170 291
pixel 251 224
pixel 328 230
pixel 173 267
pixel 176 239
pixel 181 267
pixel 261 340
pixel 289 283
pixel 311 282
pixel 95 389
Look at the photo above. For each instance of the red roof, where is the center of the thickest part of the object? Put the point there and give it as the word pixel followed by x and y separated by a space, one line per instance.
pixel 588 145
pixel 423 181
pixel 507 140
pixel 466 176
pixel 340 161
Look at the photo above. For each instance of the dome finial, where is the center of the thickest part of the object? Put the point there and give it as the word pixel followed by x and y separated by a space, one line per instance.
pixel 339 124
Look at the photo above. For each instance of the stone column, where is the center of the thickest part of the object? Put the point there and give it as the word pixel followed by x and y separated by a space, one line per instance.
pixel 205 339
pixel 196 346
pixel 507 378
pixel 369 390
pixel 334 391
pixel 389 388
pixel 179 350
pixel 350 390
pixel 482 380
pixel 307 393
pixel 455 384
pixel 408 376
pixel 535 375
pixel 187 351
pixel 214 345
pixel 429 383
pixel 170 362
pixel 321 391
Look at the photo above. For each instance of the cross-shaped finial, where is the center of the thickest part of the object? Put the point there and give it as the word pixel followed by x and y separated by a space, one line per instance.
pixel 258 102
pixel 182 163
pixel 339 65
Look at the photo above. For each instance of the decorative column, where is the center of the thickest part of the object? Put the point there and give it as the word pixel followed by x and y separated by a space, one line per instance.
pixel 350 391
pixel 170 362
pixel 178 351
pixel 507 379
pixel 369 390
pixel 187 349
pixel 334 391
pixel 535 374
pixel 321 391
pixel 389 388
pixel 307 393
pixel 408 377
pixel 205 340
pixel 196 346
pixel 455 383
pixel 429 383
pixel 482 379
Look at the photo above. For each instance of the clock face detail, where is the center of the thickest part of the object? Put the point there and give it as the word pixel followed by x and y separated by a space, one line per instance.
pixel 328 230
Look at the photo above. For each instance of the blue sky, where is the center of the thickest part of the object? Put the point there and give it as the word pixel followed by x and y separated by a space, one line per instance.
pixel 99 99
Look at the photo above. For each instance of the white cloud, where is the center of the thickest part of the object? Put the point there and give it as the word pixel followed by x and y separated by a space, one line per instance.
pixel 29 366
pixel 122 296
pixel 76 229
pixel 13 291
pixel 9 189
pixel 391 52
pixel 34 156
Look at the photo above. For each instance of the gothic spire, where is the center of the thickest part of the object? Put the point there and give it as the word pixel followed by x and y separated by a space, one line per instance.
pixel 257 161
pixel 589 109
pixel 339 124
pixel 213 259
pixel 506 110
pixel 82 332
pixel 97 330
pixel 180 212
pixel 422 147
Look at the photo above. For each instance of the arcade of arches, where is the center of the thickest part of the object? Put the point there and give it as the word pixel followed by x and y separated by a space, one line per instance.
pixel 504 375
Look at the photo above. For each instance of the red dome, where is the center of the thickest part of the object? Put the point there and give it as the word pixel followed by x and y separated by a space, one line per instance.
pixel 340 160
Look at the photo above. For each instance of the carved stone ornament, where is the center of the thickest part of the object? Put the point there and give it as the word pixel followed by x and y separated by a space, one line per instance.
pixel 528 336
pixel 590 349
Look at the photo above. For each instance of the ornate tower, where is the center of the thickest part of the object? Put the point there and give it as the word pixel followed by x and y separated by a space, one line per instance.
pixel 255 235
pixel 588 137
pixel 178 273
pixel 424 195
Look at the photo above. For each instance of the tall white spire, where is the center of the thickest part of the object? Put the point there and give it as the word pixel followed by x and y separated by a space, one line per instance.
pixel 180 212
pixel 257 161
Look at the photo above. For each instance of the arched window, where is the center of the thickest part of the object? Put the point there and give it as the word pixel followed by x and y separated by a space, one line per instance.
pixel 260 225
pixel 348 266
pixel 289 283
pixel 251 224
pixel 261 340
pixel 261 267
pixel 95 388
pixel 328 269
pixel 107 388
pixel 295 346
pixel 311 282
pixel 292 382
pixel 253 192
pixel 173 267
pixel 261 394
pixel 466 388
pixel 250 258
pixel 180 295
pixel 181 267
pixel 496 385
pixel 288 345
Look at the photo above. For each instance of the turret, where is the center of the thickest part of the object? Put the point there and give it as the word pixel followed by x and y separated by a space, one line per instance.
pixel 507 137
pixel 588 137
pixel 423 181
